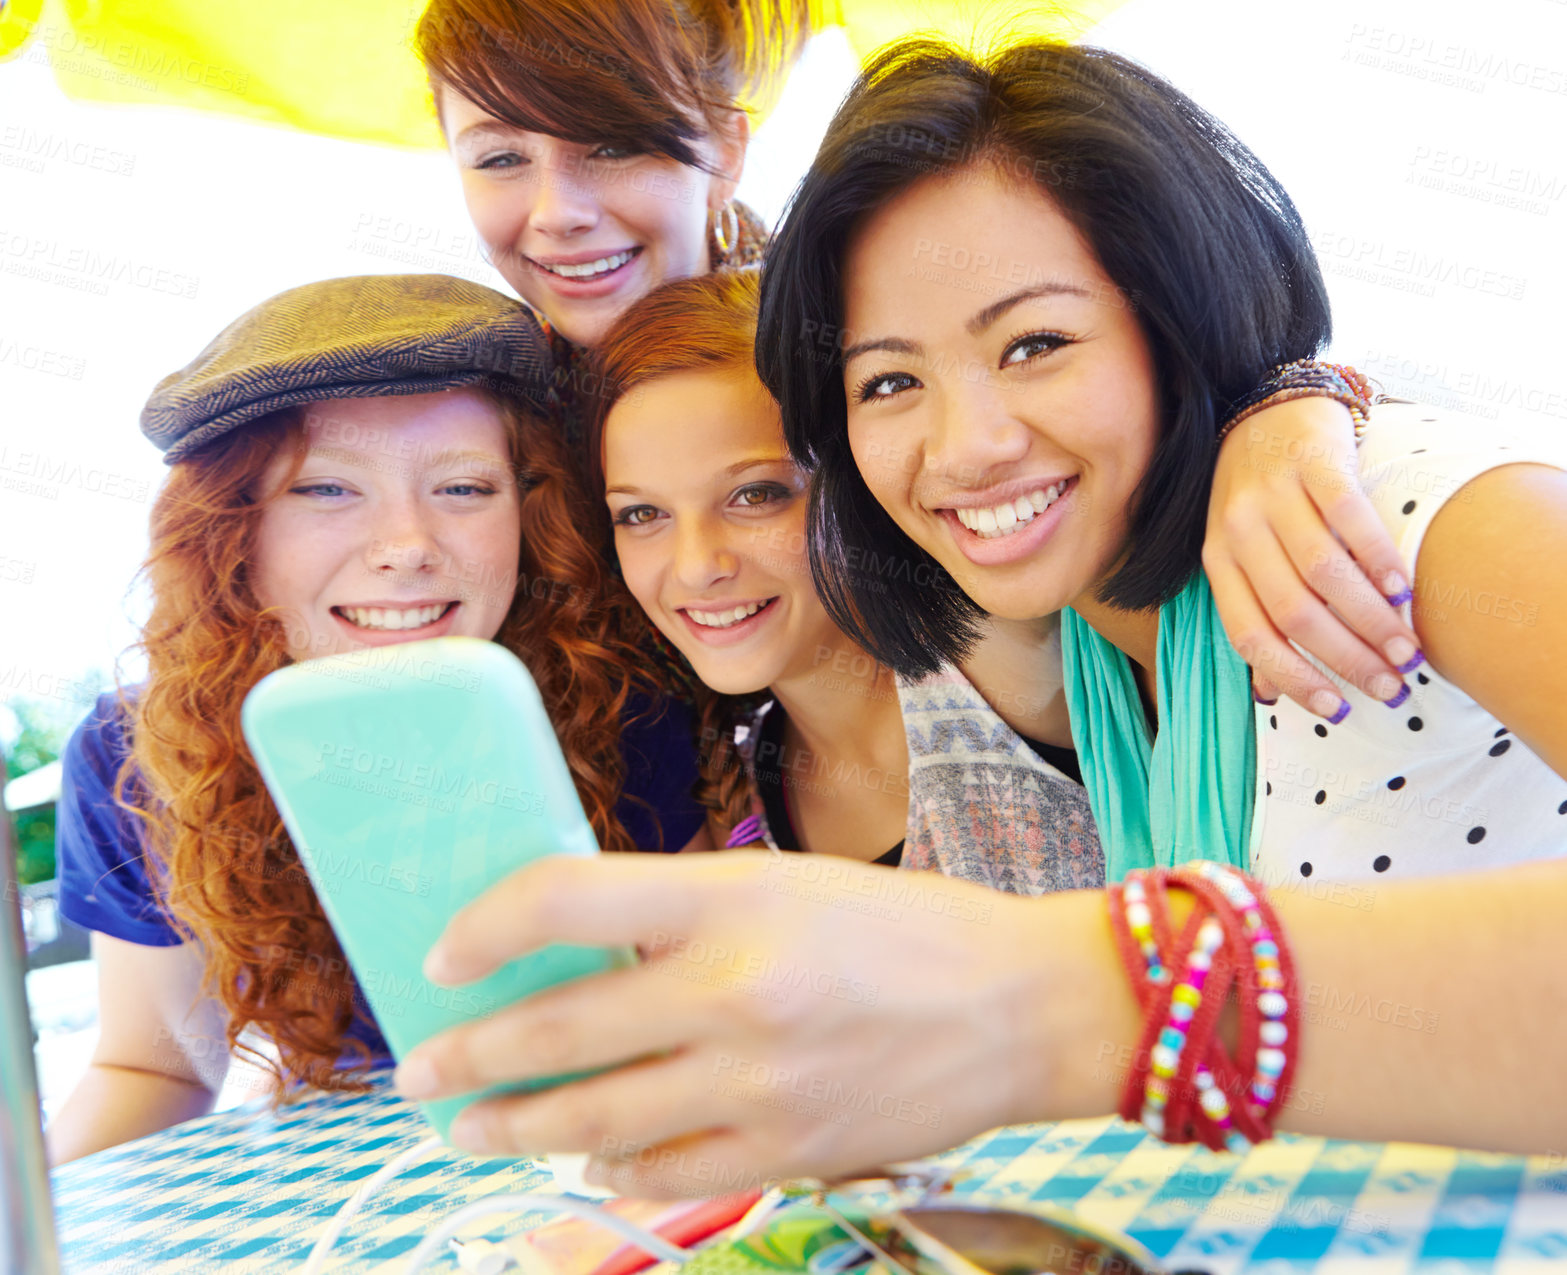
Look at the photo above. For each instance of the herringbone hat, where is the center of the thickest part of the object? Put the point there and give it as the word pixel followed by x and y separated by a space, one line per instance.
pixel 360 337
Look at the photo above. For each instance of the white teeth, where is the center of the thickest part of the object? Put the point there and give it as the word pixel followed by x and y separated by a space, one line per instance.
pixel 387 619
pixel 1004 519
pixel 723 619
pixel 587 269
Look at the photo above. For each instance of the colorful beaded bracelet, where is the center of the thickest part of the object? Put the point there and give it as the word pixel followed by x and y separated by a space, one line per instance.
pixel 1183 1086
pixel 1306 378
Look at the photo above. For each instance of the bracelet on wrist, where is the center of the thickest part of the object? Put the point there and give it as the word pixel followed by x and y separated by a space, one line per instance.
pixel 1183 1085
pixel 1307 378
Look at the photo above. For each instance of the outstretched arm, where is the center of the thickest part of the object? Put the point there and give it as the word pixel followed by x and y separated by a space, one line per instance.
pixel 785 1026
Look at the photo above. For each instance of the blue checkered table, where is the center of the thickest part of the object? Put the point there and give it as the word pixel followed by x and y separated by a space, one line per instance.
pixel 250 1190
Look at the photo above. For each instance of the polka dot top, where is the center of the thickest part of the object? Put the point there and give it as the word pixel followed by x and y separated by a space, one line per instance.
pixel 1436 784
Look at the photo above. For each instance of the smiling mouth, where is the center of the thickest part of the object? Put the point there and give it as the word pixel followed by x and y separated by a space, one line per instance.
pixel 726 619
pixel 389 619
pixel 995 522
pixel 589 271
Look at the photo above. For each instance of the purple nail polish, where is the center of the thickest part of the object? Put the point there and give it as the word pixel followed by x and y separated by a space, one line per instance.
pixel 1266 702
pixel 1404 595
pixel 1411 664
pixel 1343 712
pixel 1403 694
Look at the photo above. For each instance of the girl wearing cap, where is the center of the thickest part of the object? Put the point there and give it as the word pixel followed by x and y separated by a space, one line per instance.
pixel 592 177
pixel 354 463
pixel 708 509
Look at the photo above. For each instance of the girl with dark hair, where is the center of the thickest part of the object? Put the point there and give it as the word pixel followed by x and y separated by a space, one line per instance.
pixel 348 469
pixel 592 176
pixel 1045 445
pixel 1012 304
pixel 708 510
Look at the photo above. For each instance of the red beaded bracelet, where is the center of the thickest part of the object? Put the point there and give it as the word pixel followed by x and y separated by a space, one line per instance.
pixel 1183 1086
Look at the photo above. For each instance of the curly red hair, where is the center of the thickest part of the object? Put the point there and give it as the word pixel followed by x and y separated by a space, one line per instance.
pixel 228 874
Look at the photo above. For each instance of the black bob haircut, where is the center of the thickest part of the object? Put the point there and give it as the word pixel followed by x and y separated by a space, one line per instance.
pixel 1196 233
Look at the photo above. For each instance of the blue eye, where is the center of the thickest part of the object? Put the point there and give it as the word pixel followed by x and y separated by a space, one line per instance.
pixel 883 385
pixel 467 489
pixel 611 151
pixel 318 489
pixel 503 159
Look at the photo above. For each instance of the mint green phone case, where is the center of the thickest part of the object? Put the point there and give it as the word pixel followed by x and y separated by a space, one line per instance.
pixel 412 778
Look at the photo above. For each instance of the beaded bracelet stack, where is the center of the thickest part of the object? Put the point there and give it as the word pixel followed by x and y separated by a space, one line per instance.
pixel 1183 1086
pixel 1307 378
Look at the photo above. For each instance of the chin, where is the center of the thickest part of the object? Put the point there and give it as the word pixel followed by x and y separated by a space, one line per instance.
pixel 730 681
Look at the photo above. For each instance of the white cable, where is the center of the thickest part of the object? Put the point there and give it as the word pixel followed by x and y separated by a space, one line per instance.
pixel 383 1175
pixel 589 1212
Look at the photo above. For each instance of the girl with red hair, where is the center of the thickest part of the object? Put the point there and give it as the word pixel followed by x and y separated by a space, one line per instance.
pixel 803 732
pixel 355 463
pixel 593 175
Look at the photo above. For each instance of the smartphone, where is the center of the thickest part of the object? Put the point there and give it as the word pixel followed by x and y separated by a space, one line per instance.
pixel 412 778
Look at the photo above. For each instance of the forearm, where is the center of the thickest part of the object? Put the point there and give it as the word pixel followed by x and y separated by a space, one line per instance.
pixel 1431 1016
pixel 112 1104
pixel 1435 1014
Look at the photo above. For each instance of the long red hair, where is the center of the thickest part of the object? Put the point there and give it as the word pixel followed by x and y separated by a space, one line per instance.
pixel 228 874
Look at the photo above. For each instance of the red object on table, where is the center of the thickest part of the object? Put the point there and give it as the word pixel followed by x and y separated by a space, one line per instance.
pixel 707 1218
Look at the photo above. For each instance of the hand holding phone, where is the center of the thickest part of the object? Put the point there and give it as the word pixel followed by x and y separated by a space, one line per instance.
pixel 412 778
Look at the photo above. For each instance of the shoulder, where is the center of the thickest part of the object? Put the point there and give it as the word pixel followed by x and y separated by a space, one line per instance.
pixel 1416 460
pixel 100 743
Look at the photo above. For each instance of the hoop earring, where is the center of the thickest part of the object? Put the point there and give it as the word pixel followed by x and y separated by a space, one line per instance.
pixel 726 231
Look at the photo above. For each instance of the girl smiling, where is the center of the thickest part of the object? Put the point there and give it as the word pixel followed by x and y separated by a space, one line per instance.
pixel 708 508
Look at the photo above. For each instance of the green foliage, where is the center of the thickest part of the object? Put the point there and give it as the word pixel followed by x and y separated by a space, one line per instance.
pixel 38 736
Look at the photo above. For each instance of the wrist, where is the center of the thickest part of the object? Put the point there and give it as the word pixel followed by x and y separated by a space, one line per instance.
pixel 1076 1018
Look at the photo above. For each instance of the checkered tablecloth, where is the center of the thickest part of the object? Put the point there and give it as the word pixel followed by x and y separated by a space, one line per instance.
pixel 249 1190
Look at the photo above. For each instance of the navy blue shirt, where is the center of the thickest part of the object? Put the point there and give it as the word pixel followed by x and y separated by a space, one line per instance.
pixel 99 846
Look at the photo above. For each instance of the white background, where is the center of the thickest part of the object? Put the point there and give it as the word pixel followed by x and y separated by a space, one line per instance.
pixel 1424 143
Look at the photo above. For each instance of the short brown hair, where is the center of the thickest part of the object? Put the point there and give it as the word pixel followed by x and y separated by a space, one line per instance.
pixel 651 75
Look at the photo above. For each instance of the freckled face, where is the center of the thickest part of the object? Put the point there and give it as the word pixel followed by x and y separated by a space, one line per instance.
pixel 403 523
pixel 709 513
pixel 581 231
pixel 1002 402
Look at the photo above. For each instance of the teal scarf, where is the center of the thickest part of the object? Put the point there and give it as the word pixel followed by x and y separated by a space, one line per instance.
pixel 1188 793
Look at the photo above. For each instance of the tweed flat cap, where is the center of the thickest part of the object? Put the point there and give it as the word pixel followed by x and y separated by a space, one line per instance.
pixel 360 337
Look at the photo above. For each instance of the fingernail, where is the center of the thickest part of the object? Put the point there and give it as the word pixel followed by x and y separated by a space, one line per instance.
pixel 1399 652
pixel 1384 686
pixel 1326 704
pixel 438 968
pixel 1396 589
pixel 1403 694
pixel 416 1077
pixel 1257 696
pixel 1413 662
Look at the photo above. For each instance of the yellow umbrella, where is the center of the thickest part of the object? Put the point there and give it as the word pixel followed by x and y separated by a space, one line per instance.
pixel 346 67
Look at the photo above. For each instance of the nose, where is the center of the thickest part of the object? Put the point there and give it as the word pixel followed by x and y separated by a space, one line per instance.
pixel 402 538
pixel 564 204
pixel 974 432
pixel 703 556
